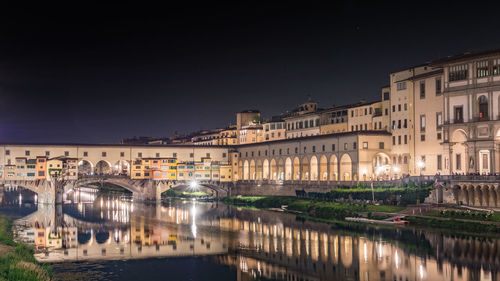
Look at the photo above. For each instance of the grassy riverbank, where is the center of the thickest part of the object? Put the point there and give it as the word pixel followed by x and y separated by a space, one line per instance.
pixel 16 259
pixel 455 226
pixel 313 208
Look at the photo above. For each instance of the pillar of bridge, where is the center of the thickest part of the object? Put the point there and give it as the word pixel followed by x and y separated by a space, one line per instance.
pixel 46 192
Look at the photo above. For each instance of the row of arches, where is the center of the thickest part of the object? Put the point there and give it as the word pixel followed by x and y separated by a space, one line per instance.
pixel 481 196
pixel 305 168
pixel 103 167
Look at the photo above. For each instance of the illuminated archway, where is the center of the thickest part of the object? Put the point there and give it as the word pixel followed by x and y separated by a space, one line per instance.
pixel 265 169
pixel 296 168
pixel 281 170
pixel 274 174
pixel 334 168
pixel 121 167
pixel 346 167
pixel 323 168
pixel 259 169
pixel 85 167
pixel 313 168
pixel 246 170
pixel 288 169
pixel 103 168
pixel 253 175
pixel 305 168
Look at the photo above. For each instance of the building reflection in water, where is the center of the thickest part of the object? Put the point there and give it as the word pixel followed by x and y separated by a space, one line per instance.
pixel 257 243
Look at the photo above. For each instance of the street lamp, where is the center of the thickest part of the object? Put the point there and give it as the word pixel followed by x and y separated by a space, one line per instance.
pixel 420 165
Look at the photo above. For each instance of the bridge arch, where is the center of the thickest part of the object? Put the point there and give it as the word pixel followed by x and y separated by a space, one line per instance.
pixel 346 167
pixel 103 167
pixel 102 237
pixel 121 167
pixel 313 168
pixel 265 169
pixel 288 169
pixel 323 168
pixel 85 167
pixel 334 168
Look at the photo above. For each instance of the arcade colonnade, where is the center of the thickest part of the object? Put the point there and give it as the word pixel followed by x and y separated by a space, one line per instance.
pixel 354 156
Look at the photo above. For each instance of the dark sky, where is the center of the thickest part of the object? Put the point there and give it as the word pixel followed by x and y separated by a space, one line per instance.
pixel 93 73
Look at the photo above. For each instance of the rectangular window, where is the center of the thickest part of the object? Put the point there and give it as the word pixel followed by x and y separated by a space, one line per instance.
pixel 333 147
pixel 345 146
pixel 47 153
pixel 438 136
pixel 422 137
pixel 103 154
pixel 399 107
pixel 422 90
pixel 386 96
pixel 27 153
pixel 7 152
pixel 439 162
pixel 422 123
pixel 139 154
pixel 365 145
pixel 399 139
pixel 122 154
pixel 406 139
pixel 386 111
pixel 381 145
pixel 405 123
pixel 393 124
pixel 66 153
pixel 208 155
pixel 393 140
pixel 157 155
pixel 354 145
pixel 438 86
pixel 405 106
pixel 223 154
pixel 482 69
pixel 439 119
pixel 393 108
pixel 401 86
pixel 458 161
pixel 399 124
pixel 458 72
pixel 496 67
pixel 459 114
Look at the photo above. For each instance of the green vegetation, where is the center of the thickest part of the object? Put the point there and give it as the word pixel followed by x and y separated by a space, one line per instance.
pixel 111 188
pixel 468 215
pixel 16 259
pixel 403 195
pixel 317 209
pixel 454 225
pixel 185 194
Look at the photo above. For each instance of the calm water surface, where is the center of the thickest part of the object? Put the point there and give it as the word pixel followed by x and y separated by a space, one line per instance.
pixel 105 237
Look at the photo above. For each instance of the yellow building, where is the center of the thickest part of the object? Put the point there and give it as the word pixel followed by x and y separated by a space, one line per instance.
pixel 185 171
pixel 154 168
pixel 41 167
pixel 54 167
pixel 253 133
pixel 226 172
pixel 274 129
pixel 203 169
pixel 333 120
pixel 228 136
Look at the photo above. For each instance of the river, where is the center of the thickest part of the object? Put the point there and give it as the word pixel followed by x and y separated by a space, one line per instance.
pixel 110 237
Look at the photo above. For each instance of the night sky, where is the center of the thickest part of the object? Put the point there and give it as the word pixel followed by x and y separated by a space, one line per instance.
pixel 90 73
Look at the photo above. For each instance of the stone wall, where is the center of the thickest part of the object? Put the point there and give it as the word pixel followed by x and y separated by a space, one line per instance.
pixel 267 189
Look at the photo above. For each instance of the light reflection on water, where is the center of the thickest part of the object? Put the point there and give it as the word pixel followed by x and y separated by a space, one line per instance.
pixel 109 237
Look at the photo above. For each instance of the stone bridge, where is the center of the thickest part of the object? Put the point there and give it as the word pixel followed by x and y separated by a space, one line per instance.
pixel 53 190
